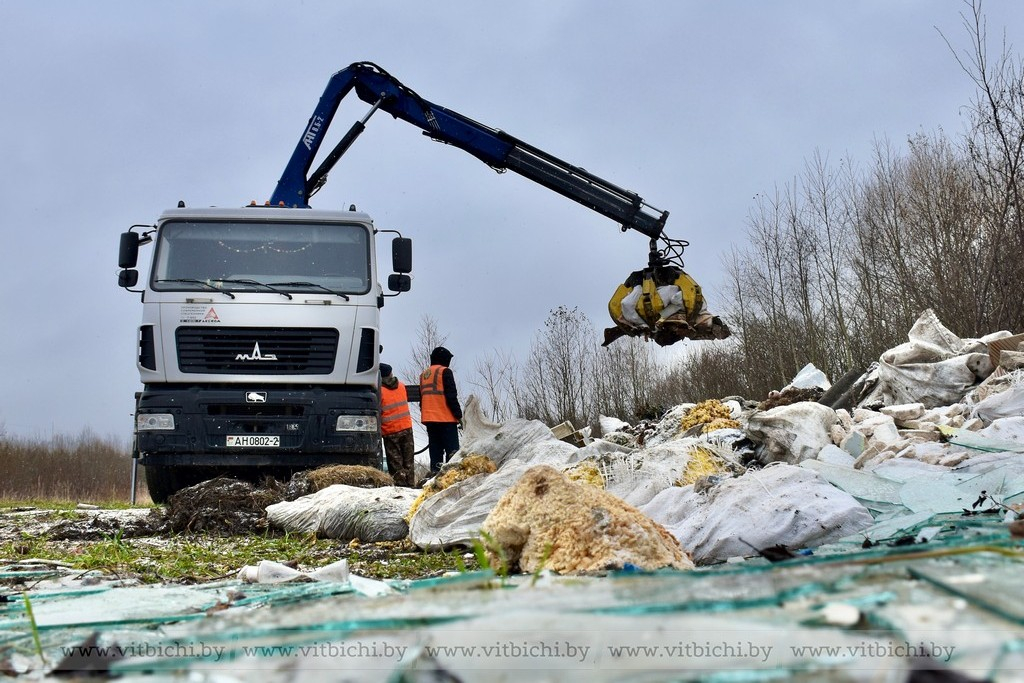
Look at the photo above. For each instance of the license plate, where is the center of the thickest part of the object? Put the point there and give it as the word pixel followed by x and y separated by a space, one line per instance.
pixel 253 441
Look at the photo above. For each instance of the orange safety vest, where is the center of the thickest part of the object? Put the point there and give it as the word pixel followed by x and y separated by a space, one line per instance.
pixel 394 410
pixel 433 407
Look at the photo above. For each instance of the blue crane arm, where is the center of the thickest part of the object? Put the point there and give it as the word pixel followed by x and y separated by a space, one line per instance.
pixel 494 147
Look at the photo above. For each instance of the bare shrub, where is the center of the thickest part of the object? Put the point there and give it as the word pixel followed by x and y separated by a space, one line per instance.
pixel 79 468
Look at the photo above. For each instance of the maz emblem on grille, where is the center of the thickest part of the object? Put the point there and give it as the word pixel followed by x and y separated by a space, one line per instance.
pixel 256 355
pixel 256 397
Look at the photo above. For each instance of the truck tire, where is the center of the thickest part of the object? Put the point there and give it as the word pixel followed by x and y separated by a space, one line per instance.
pixel 163 481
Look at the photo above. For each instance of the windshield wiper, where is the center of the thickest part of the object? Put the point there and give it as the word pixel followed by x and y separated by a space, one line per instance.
pixel 204 283
pixel 311 284
pixel 255 283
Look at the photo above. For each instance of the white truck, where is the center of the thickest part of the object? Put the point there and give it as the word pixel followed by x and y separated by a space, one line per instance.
pixel 259 342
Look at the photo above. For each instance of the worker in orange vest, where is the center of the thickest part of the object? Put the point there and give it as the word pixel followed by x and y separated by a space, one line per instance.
pixel 440 411
pixel 396 428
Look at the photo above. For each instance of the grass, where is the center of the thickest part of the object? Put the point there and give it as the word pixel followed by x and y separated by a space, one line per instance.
pixel 195 558
pixel 186 559
pixel 36 642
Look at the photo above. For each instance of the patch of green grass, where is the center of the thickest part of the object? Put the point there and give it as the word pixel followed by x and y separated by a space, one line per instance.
pixel 408 564
pixel 196 558
pixel 491 555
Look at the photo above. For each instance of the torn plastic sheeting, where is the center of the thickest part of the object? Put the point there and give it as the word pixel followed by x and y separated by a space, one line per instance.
pixel 514 440
pixel 935 367
pixel 933 384
pixel 778 505
pixel 269 571
pixel 726 603
pixel 732 603
pixel 456 514
pixel 639 476
pixel 1006 403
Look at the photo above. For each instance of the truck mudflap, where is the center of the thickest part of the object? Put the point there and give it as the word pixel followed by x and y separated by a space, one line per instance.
pixel 243 426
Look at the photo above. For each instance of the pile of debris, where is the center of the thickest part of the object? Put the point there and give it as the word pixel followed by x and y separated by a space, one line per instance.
pixel 935 426
pixel 807 505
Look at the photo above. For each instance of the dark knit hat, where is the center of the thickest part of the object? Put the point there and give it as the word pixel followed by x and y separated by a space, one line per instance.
pixel 385 370
pixel 441 356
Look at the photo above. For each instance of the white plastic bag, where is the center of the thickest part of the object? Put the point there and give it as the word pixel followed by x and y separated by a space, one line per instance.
pixel 347 512
pixel 778 505
pixel 935 367
pixel 792 433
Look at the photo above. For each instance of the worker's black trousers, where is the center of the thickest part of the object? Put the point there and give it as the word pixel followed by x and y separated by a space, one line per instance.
pixel 444 441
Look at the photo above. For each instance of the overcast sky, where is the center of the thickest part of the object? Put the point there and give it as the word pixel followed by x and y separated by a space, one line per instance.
pixel 113 111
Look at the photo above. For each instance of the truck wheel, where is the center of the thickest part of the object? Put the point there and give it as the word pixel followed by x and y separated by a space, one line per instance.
pixel 162 482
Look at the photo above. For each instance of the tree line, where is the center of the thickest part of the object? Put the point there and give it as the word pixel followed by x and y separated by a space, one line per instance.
pixel 842 261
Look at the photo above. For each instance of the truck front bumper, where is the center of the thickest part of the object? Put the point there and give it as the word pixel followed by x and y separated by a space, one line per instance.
pixel 293 427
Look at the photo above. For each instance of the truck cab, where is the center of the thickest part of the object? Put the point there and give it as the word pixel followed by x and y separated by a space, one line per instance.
pixel 259 342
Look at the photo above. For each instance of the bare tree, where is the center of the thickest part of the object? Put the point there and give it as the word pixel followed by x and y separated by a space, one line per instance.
pixel 555 385
pixel 428 337
pixel 995 147
pixel 496 378
pixel 624 378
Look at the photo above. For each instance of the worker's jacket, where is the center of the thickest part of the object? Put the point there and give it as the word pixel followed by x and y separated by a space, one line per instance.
pixel 433 404
pixel 394 409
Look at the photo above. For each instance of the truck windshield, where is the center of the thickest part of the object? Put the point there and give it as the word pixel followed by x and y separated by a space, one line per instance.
pixel 239 256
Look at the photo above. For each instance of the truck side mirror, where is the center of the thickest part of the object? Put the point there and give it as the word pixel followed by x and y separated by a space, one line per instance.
pixel 128 253
pixel 401 256
pixel 128 278
pixel 399 282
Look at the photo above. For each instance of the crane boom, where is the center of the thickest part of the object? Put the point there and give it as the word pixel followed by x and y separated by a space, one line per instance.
pixel 495 148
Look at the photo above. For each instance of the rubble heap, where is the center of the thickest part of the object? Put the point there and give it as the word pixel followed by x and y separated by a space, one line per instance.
pixel 547 521
pixel 731 478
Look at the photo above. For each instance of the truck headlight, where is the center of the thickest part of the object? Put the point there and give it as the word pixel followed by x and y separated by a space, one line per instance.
pixel 356 423
pixel 146 422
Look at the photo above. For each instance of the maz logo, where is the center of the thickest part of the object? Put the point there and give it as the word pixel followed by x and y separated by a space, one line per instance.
pixel 256 355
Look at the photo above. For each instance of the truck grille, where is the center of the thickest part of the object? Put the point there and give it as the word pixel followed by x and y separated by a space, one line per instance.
pixel 257 350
